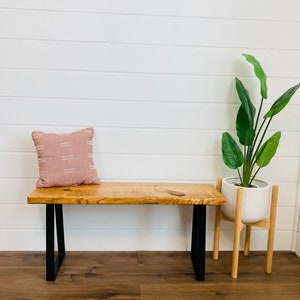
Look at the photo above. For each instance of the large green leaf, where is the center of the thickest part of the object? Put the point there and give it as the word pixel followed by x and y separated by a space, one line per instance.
pixel 268 150
pixel 232 154
pixel 245 100
pixel 260 74
pixel 282 101
pixel 245 116
pixel 244 127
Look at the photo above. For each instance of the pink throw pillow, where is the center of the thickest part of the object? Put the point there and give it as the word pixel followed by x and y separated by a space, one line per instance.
pixel 65 159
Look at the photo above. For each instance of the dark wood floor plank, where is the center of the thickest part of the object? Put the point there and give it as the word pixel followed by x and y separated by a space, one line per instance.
pixel 122 292
pixel 233 291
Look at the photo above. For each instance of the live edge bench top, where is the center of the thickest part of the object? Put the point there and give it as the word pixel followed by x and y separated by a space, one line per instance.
pixel 129 193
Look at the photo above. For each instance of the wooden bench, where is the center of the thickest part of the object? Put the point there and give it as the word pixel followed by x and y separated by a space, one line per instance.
pixel 198 195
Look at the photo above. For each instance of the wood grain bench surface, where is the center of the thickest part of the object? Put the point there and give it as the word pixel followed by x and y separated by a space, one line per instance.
pixel 129 193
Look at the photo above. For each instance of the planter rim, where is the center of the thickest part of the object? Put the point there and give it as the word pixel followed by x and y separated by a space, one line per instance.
pixel 258 182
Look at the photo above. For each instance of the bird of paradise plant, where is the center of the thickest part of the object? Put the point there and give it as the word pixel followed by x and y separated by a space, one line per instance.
pixel 251 129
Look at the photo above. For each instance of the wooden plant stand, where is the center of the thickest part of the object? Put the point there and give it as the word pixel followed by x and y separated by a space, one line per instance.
pixel 267 223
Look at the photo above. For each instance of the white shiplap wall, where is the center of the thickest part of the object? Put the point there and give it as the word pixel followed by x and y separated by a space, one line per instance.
pixel 156 80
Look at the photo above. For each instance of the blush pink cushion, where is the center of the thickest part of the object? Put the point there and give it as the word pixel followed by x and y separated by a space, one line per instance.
pixel 65 159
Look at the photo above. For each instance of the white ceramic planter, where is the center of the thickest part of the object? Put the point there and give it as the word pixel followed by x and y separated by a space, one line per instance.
pixel 256 200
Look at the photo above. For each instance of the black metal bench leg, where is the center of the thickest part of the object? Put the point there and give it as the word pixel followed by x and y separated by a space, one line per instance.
pixel 50 276
pixel 52 264
pixel 198 241
pixel 60 232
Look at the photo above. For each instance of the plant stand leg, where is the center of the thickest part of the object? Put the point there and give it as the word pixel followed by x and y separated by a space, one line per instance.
pixel 217 232
pixel 237 231
pixel 218 213
pixel 247 240
pixel 272 229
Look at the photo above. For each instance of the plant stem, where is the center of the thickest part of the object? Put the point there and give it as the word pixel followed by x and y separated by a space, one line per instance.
pixel 261 139
pixel 246 166
pixel 239 175
pixel 254 175
pixel 258 115
pixel 255 127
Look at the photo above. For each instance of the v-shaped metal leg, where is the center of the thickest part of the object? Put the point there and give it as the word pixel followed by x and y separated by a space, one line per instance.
pixel 198 241
pixel 53 262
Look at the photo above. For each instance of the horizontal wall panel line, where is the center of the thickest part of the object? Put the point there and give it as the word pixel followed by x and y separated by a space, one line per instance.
pixel 97 99
pixel 137 154
pixel 135 179
pixel 149 179
pixel 147 15
pixel 152 154
pixel 44 127
pixel 194 8
pixel 136 72
pixel 118 72
pixel 105 99
pixel 34 125
pixel 107 42
pixel 155 44
pixel 65 129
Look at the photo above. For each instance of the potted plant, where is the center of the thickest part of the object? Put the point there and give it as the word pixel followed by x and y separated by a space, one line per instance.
pixel 256 149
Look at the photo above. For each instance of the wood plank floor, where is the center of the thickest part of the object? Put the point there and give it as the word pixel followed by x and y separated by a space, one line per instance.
pixel 147 275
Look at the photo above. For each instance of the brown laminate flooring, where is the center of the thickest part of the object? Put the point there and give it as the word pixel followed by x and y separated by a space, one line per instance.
pixel 147 275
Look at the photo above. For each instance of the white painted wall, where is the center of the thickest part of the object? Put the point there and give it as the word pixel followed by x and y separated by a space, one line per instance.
pixel 297 220
pixel 297 250
pixel 156 80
